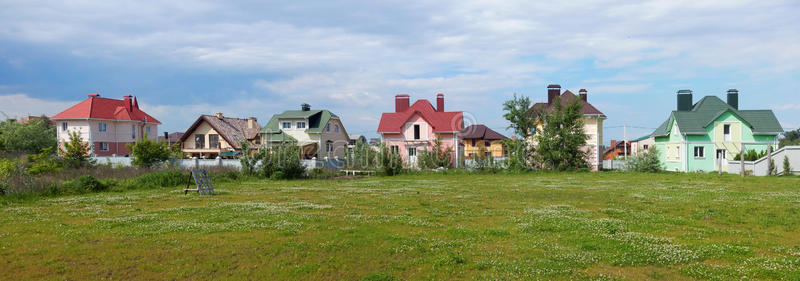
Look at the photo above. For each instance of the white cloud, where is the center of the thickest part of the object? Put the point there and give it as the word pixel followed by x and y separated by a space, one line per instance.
pixel 21 105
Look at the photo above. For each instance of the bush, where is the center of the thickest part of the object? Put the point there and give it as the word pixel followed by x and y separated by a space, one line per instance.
pixel 787 166
pixel 363 157
pixel 750 155
pixel 647 162
pixel 84 184
pixel 157 179
pixel 44 162
pixel 281 162
pixel 437 157
pixel 76 152
pixel 31 137
pixel 391 163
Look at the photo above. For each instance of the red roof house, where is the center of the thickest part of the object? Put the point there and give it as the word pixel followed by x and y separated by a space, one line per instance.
pixel 107 124
pixel 413 128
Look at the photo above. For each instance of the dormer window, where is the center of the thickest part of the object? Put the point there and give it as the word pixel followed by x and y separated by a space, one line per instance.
pixel 416 131
pixel 286 125
pixel 301 125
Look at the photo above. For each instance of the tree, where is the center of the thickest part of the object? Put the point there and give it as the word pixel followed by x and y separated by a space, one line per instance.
pixel 787 166
pixel 518 116
pixel 248 161
pixel 148 153
pixel 647 162
pixel 790 138
pixel 520 154
pixel 362 157
pixel 562 138
pixel 76 151
pixel 437 157
pixel 390 161
pixel 30 137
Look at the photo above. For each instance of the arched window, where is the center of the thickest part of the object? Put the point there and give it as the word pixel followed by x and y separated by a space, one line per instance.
pixel 329 146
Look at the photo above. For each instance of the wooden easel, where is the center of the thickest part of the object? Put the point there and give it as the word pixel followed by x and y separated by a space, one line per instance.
pixel 201 180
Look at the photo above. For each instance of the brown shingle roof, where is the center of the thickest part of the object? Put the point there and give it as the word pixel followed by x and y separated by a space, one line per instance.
pixel 230 129
pixel 481 132
pixel 567 96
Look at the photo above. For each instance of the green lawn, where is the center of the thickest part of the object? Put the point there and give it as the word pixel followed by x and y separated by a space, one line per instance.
pixel 581 226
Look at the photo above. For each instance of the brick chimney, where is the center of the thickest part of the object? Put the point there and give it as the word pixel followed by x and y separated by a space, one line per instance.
pixel 440 102
pixel 401 103
pixel 128 102
pixel 135 103
pixel 305 107
pixel 251 122
pixel 583 93
pixel 553 90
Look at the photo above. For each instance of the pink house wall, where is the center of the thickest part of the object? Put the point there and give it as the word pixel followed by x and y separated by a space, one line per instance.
pixel 405 138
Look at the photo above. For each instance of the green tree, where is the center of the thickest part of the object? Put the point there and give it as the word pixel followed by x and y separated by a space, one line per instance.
pixel 247 160
pixel 390 161
pixel 790 138
pixel 148 153
pixel 647 162
pixel 438 156
pixel 518 116
pixel 562 138
pixel 520 154
pixel 76 151
pixel 30 137
pixel 787 166
pixel 362 157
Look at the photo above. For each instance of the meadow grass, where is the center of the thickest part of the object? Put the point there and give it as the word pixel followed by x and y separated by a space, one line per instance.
pixel 537 226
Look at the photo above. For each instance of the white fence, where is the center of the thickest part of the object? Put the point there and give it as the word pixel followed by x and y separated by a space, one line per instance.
pixel 759 167
pixel 614 164
pixel 218 162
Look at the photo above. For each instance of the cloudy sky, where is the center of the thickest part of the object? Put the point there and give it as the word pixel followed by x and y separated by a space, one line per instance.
pixel 251 58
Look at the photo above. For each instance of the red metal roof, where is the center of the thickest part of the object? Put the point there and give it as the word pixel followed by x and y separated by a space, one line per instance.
pixel 392 122
pixel 96 107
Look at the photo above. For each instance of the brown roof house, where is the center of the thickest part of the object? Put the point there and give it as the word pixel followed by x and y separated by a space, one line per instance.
pixel 216 135
pixel 480 140
pixel 592 120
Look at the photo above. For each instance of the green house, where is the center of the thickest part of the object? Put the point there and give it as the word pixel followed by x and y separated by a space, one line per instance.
pixel 696 136
pixel 319 133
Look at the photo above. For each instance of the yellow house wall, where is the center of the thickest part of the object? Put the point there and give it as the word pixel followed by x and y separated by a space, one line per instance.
pixel 496 147
pixel 205 129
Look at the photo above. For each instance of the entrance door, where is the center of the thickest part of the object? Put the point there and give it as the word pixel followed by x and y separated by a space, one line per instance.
pixel 412 155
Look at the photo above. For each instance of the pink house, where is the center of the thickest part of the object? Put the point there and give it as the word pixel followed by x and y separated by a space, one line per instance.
pixel 413 128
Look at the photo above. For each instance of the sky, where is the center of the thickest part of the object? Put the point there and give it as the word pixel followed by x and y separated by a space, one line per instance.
pixel 259 58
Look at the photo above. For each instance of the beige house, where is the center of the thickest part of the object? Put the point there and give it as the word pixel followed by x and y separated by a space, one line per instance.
pixel 216 135
pixel 592 121
pixel 319 133
pixel 642 144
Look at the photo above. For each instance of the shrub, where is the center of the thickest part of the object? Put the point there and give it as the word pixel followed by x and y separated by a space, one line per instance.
pixel 391 163
pixel 76 151
pixel 437 157
pixel 363 157
pixel 750 155
pixel 83 184
pixel 157 179
pixel 31 137
pixel 647 162
pixel 787 166
pixel 148 153
pixel 44 162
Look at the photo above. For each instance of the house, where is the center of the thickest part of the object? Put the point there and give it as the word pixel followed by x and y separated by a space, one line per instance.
pixel 413 128
pixel 704 135
pixel 642 144
pixel 171 138
pixel 320 133
pixel 479 139
pixel 592 121
pixel 617 150
pixel 216 135
pixel 356 139
pixel 107 124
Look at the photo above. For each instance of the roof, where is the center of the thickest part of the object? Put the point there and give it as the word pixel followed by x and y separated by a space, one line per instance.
pixel 173 137
pixel 392 122
pixel 481 132
pixel 317 119
pixel 96 107
pixel 642 138
pixel 230 129
pixel 586 107
pixel 708 109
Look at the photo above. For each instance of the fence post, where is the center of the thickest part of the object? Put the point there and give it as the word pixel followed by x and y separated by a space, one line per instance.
pixel 196 162
pixel 741 161
pixel 219 161
pixel 769 160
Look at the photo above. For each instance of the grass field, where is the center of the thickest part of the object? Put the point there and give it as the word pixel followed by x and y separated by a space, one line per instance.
pixel 578 226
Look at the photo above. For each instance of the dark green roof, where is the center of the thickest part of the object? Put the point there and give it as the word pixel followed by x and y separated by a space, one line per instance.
pixel 642 138
pixel 316 123
pixel 708 109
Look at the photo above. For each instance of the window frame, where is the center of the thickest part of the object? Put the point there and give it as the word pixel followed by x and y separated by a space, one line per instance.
pixel 417 132
pixel 286 125
pixel 726 132
pixel 201 143
pixel 699 152
pixel 64 126
pixel 102 127
pixel 213 143
pixel 300 124
pixel 103 146
pixel 133 131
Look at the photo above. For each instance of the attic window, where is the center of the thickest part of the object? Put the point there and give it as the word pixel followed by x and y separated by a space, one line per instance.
pixel 336 128
pixel 726 132
pixel 301 125
pixel 286 125
pixel 416 132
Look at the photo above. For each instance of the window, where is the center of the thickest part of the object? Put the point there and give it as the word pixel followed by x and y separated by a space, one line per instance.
pixel 328 127
pixel 147 130
pixel 645 147
pixel 301 125
pixel 329 146
pixel 103 146
pixel 133 131
pixel 412 151
pixel 488 154
pixel 678 152
pixel 395 149
pixel 101 127
pixel 336 128
pixel 352 142
pixel 726 132
pixel 699 152
pixel 64 126
pixel 199 141
pixel 722 153
pixel 416 132
pixel 213 141
pixel 473 142
pixel 487 143
pixel 286 125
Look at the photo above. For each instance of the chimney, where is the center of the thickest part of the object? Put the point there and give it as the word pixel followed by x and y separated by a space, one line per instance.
pixel 685 100
pixel 305 107
pixel 94 95
pixel 128 104
pixel 553 90
pixel 401 103
pixel 219 115
pixel 135 103
pixel 583 94
pixel 733 98
pixel 166 137
pixel 440 102
pixel 251 122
